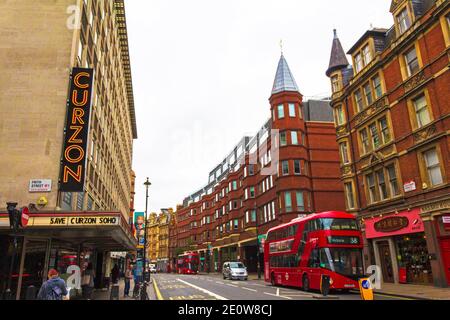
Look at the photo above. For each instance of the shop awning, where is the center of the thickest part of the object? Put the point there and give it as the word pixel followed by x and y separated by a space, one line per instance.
pixel 107 231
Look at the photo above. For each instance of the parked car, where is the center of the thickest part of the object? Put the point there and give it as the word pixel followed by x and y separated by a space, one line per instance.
pixel 234 270
pixel 152 268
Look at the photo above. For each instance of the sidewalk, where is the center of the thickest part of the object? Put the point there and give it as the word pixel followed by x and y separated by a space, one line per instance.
pixel 105 294
pixel 415 291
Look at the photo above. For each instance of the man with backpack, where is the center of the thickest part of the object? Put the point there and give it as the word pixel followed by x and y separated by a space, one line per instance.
pixel 54 288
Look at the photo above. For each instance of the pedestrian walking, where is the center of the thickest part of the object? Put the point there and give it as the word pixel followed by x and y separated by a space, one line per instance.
pixel 87 283
pixel 128 277
pixel 54 288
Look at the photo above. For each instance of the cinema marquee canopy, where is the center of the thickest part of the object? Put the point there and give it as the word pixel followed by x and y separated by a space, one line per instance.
pixel 73 166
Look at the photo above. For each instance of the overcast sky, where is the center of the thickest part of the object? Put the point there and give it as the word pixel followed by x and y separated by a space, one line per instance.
pixel 203 71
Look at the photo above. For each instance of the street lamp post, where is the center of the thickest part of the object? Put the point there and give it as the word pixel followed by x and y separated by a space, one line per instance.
pixel 147 184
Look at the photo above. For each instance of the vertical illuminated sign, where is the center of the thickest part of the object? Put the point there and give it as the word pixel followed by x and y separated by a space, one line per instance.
pixel 73 164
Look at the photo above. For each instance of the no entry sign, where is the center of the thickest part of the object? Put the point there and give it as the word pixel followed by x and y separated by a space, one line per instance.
pixel 25 217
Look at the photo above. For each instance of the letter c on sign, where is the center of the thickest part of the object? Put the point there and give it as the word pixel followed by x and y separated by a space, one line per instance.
pixel 76 80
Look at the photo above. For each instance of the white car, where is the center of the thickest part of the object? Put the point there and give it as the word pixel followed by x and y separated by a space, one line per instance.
pixel 152 269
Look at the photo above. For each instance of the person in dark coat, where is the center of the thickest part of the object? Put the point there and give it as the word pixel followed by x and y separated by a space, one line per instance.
pixel 115 274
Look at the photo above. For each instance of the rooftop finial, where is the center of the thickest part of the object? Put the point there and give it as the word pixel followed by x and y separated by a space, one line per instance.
pixel 335 33
pixel 281 46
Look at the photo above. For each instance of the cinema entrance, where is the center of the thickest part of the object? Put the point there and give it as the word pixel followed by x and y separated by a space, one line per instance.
pixel 66 242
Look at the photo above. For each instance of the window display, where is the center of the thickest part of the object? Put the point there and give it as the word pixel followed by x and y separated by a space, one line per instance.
pixel 412 254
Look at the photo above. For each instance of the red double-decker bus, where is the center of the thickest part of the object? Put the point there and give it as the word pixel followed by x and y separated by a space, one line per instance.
pixel 298 253
pixel 188 263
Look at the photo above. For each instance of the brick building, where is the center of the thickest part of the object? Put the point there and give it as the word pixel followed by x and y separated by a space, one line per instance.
pixel 391 110
pixel 289 168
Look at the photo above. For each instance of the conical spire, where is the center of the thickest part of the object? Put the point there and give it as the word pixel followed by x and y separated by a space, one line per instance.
pixel 338 58
pixel 284 80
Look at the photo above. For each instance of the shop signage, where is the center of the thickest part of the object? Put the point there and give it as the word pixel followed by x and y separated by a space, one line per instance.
pixel 343 240
pixel 446 221
pixel 73 164
pixel 391 224
pixel 410 186
pixel 75 221
pixel 395 224
pixel 40 185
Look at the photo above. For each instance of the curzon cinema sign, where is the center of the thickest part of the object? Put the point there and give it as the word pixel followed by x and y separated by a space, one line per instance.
pixel 73 164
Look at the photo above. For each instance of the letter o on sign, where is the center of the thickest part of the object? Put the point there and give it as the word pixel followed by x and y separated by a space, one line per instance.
pixel 69 157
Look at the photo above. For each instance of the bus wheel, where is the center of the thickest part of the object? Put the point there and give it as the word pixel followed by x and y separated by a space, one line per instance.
pixel 272 280
pixel 305 283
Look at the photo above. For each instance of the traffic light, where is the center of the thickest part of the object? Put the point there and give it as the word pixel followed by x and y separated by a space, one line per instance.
pixel 14 216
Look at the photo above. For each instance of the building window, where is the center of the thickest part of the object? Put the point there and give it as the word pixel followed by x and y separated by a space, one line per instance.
pixel 339 115
pixel 433 167
pixel 253 216
pixel 378 90
pixel 236 224
pixel 367 55
pixel 288 201
pixel 393 181
pixel 251 170
pixel 374 135
pixel 285 168
pixel 403 20
pixel 412 63
pixel 294 138
pixel 421 110
pixel 283 140
pixel 67 201
pixel 90 204
pixel 300 201
pixel 234 185
pixel 252 192
pixel 364 141
pixel 335 84
pixel 292 110
pixel 371 186
pixel 359 62
pixel 344 152
pixel 382 189
pixel 297 168
pixel 384 130
pixel 280 111
pixel 359 100
pixel 349 195
pixel 368 93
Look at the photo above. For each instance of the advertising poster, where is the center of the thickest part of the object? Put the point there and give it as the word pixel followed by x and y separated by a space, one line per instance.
pixel 139 225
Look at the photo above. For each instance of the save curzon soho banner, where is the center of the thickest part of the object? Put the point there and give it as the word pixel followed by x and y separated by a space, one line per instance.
pixel 73 165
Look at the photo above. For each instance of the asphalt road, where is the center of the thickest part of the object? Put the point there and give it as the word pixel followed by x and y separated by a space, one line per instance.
pixel 213 287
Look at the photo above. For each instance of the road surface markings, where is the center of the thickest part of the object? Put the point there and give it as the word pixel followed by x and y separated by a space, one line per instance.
pixel 219 282
pixel 274 295
pixel 158 293
pixel 203 290
pixel 232 285
pixel 249 289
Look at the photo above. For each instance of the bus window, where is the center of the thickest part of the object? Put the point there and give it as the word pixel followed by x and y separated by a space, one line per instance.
pixel 338 224
pixel 314 261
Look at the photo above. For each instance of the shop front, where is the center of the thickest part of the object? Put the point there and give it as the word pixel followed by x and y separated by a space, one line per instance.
pixel 400 247
pixel 68 242
pixel 437 219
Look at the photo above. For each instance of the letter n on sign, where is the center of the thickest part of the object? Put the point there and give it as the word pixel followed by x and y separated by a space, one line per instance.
pixel 73 164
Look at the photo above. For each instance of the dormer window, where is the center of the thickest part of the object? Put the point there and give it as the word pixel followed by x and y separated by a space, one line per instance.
pixel 403 20
pixel 366 55
pixel 358 62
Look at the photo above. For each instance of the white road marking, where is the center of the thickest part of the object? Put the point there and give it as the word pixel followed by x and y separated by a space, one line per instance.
pixel 274 295
pixel 219 282
pixel 249 289
pixel 232 285
pixel 203 290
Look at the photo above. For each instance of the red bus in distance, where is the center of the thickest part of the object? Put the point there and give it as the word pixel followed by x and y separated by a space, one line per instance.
pixel 188 263
pixel 298 253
